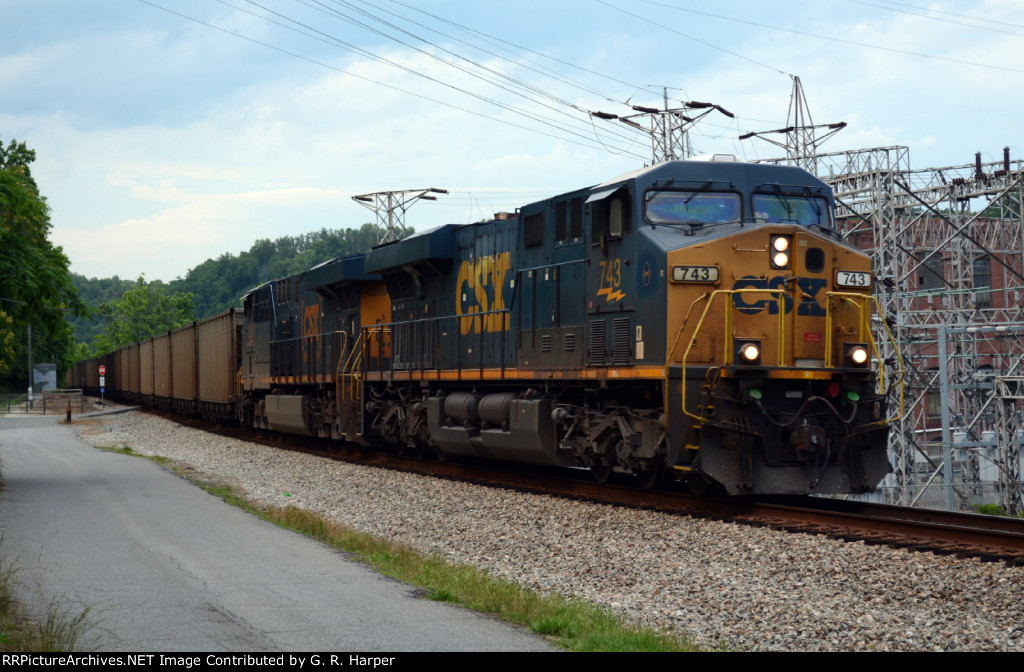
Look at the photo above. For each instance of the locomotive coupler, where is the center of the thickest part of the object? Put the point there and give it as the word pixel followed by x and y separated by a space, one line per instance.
pixel 808 439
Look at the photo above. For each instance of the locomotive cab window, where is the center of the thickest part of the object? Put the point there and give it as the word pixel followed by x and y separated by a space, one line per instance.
pixel 790 209
pixel 610 214
pixel 692 207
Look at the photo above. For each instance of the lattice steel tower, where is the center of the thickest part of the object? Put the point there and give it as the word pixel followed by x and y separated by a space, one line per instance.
pixel 947 245
pixel 390 206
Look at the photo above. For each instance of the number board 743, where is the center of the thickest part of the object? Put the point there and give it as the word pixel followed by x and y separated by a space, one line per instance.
pixel 695 274
pixel 853 279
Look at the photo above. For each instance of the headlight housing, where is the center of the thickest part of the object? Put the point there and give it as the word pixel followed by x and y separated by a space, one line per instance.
pixel 779 251
pixel 747 352
pixel 857 355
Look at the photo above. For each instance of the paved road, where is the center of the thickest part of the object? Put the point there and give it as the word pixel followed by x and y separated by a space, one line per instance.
pixel 168 567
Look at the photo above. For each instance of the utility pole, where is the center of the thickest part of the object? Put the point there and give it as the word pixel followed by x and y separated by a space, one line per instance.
pixel 30 365
pixel 390 206
pixel 669 128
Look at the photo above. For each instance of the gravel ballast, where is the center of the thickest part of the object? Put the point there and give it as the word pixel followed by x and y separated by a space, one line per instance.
pixel 725 584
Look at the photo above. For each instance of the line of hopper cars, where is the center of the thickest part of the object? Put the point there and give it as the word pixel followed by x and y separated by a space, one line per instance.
pixel 700 320
pixel 192 370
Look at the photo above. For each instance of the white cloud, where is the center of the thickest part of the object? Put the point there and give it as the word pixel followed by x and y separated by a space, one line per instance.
pixel 162 143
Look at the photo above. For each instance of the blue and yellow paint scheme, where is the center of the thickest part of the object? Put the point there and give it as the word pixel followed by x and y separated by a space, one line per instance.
pixel 695 318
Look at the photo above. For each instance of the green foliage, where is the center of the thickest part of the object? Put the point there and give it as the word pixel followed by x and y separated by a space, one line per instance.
pixel 1007 207
pixel 219 283
pixel 35 284
pixel 571 624
pixel 94 292
pixel 63 631
pixel 994 510
pixel 144 311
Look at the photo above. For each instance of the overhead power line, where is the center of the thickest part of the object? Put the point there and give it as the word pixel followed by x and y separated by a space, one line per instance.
pixel 830 38
pixel 583 140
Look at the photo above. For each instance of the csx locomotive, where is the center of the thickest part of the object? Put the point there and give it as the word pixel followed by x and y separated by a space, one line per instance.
pixel 697 319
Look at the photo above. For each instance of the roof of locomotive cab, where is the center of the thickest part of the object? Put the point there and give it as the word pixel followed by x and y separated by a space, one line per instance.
pixel 748 176
pixel 337 271
pixel 331 272
pixel 434 244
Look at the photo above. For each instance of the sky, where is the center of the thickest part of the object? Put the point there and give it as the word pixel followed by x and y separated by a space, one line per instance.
pixel 169 132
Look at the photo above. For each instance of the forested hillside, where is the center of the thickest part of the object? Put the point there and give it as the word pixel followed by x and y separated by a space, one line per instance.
pixel 214 285
pixel 36 292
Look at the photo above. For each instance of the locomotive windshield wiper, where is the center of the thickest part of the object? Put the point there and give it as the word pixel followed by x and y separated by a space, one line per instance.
pixel 699 190
pixel 785 202
pixel 814 203
pixel 692 225
pixel 832 233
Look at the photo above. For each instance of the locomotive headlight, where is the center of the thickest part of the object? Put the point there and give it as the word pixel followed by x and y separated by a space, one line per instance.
pixel 780 251
pixel 748 353
pixel 857 354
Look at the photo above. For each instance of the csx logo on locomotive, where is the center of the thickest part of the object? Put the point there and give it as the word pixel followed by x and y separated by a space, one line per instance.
pixel 480 289
pixel 810 305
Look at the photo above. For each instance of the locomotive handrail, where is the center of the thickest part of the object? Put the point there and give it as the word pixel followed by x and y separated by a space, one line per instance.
pixel 554 264
pixel 374 335
pixel 781 297
pixel 305 336
pixel 320 345
pixel 475 335
pixel 353 362
pixel 861 303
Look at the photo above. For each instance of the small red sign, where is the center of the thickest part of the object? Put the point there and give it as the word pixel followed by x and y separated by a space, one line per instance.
pixel 811 337
pixel 103 370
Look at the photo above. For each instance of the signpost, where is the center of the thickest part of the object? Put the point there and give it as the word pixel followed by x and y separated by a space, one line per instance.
pixel 103 373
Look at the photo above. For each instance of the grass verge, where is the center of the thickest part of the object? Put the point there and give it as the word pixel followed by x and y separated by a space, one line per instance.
pixel 571 624
pixel 63 630
pixel 575 625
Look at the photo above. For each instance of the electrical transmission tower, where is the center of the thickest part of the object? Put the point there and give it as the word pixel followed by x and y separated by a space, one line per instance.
pixel 669 128
pixel 947 246
pixel 801 134
pixel 390 206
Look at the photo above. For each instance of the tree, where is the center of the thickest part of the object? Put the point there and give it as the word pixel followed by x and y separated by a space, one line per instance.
pixel 219 282
pixel 144 311
pixel 35 284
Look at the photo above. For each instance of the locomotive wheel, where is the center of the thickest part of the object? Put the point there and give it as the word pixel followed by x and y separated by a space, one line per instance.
pixel 651 478
pixel 602 472
pixel 699 485
pixel 441 454
pixel 422 450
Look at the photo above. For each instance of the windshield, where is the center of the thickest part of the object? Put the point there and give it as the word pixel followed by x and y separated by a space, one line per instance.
pixel 691 207
pixel 779 208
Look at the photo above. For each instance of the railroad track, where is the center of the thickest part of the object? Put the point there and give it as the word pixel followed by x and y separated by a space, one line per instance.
pixel 990 538
pixel 963 534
